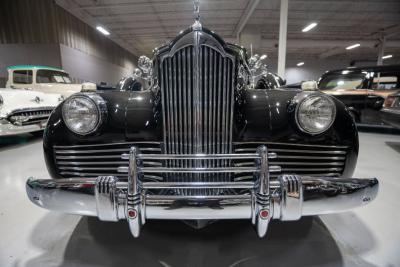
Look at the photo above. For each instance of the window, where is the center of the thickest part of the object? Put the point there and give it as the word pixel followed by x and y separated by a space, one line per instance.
pixel 52 76
pixel 22 76
pixel 342 81
pixel 385 81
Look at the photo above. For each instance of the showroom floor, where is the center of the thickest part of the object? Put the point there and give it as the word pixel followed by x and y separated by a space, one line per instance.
pixel 31 236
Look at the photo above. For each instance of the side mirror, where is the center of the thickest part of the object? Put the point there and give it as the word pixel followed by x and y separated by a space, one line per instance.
pixel 309 86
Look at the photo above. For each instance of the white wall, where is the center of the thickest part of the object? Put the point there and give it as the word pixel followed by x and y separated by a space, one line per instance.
pixel 85 67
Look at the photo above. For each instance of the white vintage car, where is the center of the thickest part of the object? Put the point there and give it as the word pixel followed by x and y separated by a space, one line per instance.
pixel 44 79
pixel 25 111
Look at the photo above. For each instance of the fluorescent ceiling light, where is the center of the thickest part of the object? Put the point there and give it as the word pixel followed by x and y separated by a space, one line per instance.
pixel 309 27
pixel 352 46
pixel 300 64
pixel 102 30
pixel 387 56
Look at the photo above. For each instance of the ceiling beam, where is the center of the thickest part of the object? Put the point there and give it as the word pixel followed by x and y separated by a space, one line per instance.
pixel 251 6
pixel 150 4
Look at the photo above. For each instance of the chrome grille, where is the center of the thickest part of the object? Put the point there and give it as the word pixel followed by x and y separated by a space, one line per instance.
pixel 102 159
pixel 108 159
pixel 301 159
pixel 197 89
pixel 29 116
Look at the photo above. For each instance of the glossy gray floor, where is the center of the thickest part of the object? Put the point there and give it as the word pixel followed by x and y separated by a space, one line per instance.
pixel 30 236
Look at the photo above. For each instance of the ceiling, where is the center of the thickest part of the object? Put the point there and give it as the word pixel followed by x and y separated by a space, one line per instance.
pixel 141 25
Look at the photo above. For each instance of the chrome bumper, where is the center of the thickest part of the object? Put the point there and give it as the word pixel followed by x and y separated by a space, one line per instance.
pixel 7 128
pixel 287 198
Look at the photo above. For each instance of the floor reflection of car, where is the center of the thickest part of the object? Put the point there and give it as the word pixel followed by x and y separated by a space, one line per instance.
pixel 390 112
pixel 363 90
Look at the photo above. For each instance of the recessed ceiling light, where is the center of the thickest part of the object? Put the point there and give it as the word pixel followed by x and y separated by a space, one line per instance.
pixel 352 46
pixel 387 56
pixel 102 30
pixel 309 27
pixel 300 64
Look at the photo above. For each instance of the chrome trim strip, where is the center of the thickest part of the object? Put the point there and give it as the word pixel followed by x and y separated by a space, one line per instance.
pixel 338 152
pixel 88 174
pixel 309 157
pixel 66 151
pixel 89 157
pixel 281 163
pixel 200 156
pixel 164 185
pixel 108 144
pixel 288 144
pixel 152 163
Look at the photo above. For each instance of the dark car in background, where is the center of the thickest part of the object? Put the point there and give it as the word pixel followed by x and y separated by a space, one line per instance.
pixel 390 112
pixel 363 89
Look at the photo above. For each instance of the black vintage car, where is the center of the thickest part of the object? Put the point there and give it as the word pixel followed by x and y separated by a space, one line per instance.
pixel 363 89
pixel 199 145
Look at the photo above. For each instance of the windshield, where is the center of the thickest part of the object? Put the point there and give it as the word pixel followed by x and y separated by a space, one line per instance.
pixel 52 76
pixel 342 81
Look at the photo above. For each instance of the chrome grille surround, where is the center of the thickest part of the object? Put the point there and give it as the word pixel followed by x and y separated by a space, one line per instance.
pixel 24 117
pixel 196 79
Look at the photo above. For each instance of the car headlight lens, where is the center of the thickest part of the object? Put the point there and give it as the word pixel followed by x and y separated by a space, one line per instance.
pixel 315 114
pixel 83 113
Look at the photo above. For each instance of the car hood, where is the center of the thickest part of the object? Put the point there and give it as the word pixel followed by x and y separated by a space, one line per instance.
pixel 15 99
pixel 65 89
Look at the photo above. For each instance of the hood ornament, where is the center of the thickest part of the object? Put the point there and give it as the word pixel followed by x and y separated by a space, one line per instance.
pixel 196 10
pixel 37 100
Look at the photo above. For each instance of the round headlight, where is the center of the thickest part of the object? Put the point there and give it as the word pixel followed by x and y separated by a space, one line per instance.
pixel 315 114
pixel 83 113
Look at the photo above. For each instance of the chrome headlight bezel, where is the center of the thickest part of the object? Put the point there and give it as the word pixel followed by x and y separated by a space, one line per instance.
pixel 100 107
pixel 299 106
